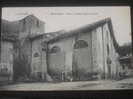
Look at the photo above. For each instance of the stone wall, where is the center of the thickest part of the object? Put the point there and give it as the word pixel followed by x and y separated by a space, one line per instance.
pixel 70 60
pixel 99 57
pixel 6 62
pixel 109 53
pixel 83 57
pixel 97 51
pixel 92 59
pixel 61 62
pixel 38 62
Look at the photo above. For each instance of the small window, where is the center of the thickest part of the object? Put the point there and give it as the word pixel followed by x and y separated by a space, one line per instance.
pixel 80 44
pixel 36 54
pixel 55 49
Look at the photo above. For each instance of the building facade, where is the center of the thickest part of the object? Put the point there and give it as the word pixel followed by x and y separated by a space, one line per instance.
pixel 81 54
pixel 86 53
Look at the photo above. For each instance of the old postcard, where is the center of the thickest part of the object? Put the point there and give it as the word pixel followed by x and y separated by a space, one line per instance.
pixel 66 48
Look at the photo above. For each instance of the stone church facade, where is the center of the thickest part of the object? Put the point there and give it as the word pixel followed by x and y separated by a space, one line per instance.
pixel 80 54
pixel 86 53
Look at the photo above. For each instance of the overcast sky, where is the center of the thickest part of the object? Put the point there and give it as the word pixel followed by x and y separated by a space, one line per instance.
pixel 58 18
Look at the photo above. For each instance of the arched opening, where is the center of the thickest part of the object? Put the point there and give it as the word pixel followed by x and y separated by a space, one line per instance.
pixel 56 63
pixel 80 44
pixel 55 49
pixel 36 54
pixel 81 64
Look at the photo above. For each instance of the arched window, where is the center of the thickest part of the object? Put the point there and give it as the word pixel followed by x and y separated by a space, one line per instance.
pixel 55 49
pixel 36 54
pixel 80 44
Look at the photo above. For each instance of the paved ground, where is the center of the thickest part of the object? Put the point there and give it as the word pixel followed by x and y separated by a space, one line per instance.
pixel 81 85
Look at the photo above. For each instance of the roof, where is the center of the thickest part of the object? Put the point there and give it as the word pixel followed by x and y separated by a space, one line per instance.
pixel 126 59
pixel 83 29
pixel 59 35
pixel 46 36
pixel 86 29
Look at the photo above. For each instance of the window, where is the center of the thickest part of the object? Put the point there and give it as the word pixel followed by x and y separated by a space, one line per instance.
pixel 55 49
pixel 36 54
pixel 80 44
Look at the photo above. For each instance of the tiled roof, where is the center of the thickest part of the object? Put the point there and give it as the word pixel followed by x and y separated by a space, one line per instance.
pixel 46 36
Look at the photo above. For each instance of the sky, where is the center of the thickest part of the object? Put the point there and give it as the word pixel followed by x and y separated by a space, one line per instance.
pixel 67 18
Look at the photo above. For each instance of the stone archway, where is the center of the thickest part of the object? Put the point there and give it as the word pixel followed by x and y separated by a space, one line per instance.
pixel 56 63
pixel 81 66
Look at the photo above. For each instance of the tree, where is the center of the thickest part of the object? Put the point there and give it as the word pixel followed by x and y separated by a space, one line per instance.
pixel 21 65
pixel 125 49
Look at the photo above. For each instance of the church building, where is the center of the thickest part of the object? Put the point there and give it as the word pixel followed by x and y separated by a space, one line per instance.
pixel 89 52
pixel 85 53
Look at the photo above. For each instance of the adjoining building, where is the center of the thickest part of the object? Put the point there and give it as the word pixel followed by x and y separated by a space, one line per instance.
pixel 126 60
pixel 6 52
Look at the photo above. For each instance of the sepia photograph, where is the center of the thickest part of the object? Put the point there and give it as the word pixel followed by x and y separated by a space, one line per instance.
pixel 66 48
